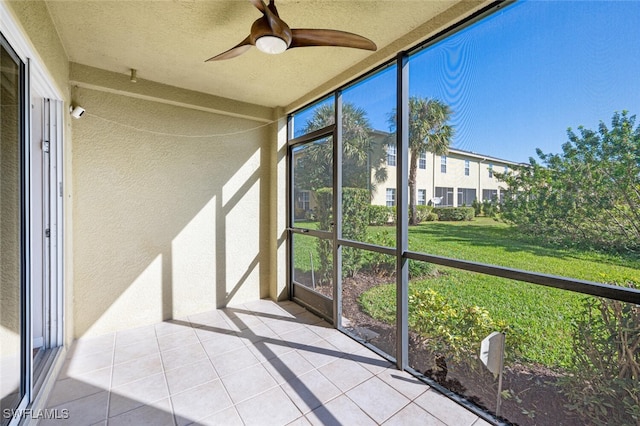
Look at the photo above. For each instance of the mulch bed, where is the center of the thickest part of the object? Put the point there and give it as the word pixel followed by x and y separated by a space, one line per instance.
pixel 535 398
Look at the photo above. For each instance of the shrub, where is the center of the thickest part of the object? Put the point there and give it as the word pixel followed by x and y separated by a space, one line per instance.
pixel 605 385
pixel 454 213
pixel 431 217
pixel 418 269
pixel 490 208
pixel 310 215
pixel 585 196
pixel 299 213
pixel 379 263
pixel 423 212
pixel 354 207
pixel 324 197
pixel 449 327
pixel 380 215
pixel 477 207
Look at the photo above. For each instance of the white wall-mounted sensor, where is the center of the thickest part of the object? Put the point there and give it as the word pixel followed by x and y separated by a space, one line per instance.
pixel 76 111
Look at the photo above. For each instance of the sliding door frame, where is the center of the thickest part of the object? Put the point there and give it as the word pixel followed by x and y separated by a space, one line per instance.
pixel 36 79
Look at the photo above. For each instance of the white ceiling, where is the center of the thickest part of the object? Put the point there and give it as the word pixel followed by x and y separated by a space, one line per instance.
pixel 168 41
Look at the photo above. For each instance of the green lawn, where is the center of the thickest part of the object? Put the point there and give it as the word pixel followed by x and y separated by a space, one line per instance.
pixel 488 241
pixel 540 316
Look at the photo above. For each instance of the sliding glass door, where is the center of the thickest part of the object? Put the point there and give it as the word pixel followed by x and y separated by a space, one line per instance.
pixel 13 344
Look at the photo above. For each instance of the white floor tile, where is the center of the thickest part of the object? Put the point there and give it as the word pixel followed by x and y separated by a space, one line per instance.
pixel 200 402
pixel 248 383
pixel 377 399
pixel 259 363
pixel 445 409
pixel 272 407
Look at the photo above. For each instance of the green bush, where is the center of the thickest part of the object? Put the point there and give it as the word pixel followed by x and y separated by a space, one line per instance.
pixel 423 213
pixel 477 207
pixel 431 217
pixel 605 385
pixel 379 263
pixel 419 269
pixel 324 197
pixel 490 208
pixel 380 215
pixel 450 327
pixel 586 196
pixel 299 213
pixel 393 215
pixel 452 214
pixel 354 208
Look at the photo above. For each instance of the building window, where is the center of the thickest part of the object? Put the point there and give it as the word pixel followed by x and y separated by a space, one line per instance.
pixel 422 197
pixel 391 197
pixel 466 167
pixel 422 161
pixel 489 194
pixel 303 200
pixel 445 195
pixel 466 196
pixel 443 164
pixel 506 169
pixel 391 155
pixel 490 170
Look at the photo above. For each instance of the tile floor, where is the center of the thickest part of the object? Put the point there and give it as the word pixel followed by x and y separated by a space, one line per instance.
pixel 262 363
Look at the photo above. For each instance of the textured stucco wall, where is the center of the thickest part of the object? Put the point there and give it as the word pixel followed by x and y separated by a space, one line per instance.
pixel 35 21
pixel 165 225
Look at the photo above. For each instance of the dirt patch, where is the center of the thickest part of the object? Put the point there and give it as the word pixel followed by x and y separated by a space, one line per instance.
pixel 533 394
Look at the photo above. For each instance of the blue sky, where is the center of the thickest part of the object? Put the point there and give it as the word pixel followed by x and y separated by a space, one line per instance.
pixel 519 78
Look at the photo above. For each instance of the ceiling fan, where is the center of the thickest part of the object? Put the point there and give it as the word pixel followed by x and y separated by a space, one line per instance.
pixel 270 34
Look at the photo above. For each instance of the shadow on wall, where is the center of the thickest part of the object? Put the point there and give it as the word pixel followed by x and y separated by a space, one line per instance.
pixel 165 224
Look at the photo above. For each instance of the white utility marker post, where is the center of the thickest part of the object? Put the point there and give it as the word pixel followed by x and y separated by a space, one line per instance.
pixel 492 356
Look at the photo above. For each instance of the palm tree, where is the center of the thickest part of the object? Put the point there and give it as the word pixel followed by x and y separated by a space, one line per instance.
pixel 360 158
pixel 428 131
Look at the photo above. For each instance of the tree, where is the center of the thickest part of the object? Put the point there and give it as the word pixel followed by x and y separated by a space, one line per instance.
pixel 362 157
pixel 429 131
pixel 588 195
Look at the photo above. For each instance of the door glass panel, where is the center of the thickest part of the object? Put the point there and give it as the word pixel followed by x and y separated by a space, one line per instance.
pixel 313 117
pixel 313 263
pixel 11 331
pixel 312 184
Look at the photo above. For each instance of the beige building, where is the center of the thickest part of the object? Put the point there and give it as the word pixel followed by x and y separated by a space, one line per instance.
pixel 453 180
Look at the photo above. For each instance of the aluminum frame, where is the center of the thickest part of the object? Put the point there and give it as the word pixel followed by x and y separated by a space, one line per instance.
pixel 401 251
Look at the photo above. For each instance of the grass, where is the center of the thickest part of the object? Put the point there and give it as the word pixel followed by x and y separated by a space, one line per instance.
pixel 488 241
pixel 541 317
pixel 305 249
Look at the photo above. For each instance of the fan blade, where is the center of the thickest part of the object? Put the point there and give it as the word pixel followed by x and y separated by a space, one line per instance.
pixel 313 37
pixel 276 26
pixel 272 8
pixel 236 50
pixel 259 4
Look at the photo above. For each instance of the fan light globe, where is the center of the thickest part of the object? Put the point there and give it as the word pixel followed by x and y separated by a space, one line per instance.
pixel 271 44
